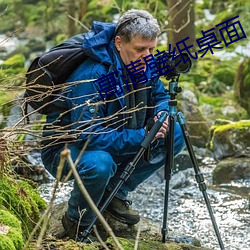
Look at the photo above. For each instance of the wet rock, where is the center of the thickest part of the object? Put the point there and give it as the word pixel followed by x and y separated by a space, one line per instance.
pixel 181 179
pixel 31 167
pixel 231 169
pixel 197 125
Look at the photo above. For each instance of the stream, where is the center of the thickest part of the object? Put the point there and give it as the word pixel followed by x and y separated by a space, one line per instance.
pixel 187 212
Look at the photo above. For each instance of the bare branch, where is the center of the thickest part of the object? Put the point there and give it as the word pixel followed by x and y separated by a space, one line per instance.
pixel 66 154
pixel 79 22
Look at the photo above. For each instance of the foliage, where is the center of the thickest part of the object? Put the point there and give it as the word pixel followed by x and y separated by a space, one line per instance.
pixel 12 70
pixel 242 84
pixel 218 106
pixel 212 75
pixel 222 11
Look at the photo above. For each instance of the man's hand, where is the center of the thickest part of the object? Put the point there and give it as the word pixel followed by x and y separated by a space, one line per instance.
pixel 164 128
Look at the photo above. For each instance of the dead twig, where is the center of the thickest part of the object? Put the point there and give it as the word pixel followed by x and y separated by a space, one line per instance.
pixel 67 155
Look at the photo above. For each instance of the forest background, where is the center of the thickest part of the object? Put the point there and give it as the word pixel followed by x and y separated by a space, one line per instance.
pixel 220 81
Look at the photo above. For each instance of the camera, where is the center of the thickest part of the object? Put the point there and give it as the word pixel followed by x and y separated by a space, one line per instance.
pixel 175 65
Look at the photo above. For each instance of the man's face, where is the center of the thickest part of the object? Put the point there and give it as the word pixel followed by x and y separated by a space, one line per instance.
pixel 135 50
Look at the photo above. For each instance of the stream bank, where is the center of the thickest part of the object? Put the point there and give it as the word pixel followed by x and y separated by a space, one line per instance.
pixel 188 216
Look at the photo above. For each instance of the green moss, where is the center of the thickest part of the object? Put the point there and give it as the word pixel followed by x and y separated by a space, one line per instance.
pixel 16 61
pixel 220 102
pixel 211 74
pixel 235 125
pixel 128 244
pixel 22 200
pixel 13 239
pixel 214 101
pixel 224 75
pixel 16 237
pixel 6 96
pixel 13 71
pixel 6 243
pixel 9 219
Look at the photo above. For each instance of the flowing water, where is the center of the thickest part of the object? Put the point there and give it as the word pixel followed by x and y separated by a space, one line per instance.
pixel 187 212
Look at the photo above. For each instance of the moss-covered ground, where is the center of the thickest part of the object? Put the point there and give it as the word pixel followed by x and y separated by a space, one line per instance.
pixel 20 209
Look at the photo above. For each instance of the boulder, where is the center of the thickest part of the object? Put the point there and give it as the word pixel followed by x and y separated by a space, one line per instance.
pixel 150 235
pixel 197 125
pixel 231 169
pixel 231 139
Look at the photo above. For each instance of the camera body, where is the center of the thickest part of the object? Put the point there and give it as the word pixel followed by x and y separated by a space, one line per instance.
pixel 175 65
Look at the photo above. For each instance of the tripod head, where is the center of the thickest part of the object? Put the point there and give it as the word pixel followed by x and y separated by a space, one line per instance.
pixel 176 65
pixel 174 89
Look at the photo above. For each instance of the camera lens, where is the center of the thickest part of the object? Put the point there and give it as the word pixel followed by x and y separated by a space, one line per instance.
pixel 183 63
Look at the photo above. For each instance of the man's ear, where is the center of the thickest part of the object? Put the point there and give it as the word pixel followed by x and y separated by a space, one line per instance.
pixel 118 42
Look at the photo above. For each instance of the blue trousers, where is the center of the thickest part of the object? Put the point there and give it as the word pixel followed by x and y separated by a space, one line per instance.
pixel 100 170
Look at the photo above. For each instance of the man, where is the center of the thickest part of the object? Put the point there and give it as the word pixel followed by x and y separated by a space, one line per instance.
pixel 111 123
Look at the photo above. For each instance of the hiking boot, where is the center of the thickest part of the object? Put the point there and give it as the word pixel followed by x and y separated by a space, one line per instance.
pixel 75 231
pixel 121 211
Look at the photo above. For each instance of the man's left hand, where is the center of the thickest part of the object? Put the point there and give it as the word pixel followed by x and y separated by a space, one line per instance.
pixel 164 128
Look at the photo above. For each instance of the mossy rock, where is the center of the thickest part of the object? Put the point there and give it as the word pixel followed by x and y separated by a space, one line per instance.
pixel 128 244
pixel 219 107
pixel 11 237
pixel 232 139
pixel 22 200
pixel 150 235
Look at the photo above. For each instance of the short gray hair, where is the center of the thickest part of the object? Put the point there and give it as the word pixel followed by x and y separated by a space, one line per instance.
pixel 134 22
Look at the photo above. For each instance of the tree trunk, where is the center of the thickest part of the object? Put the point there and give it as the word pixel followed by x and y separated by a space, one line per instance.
pixel 181 22
pixel 72 13
pixel 83 7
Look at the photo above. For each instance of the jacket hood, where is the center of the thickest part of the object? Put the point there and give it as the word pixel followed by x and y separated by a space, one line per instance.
pixel 98 42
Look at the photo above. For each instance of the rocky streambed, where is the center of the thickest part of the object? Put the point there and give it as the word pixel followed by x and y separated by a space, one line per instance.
pixel 188 215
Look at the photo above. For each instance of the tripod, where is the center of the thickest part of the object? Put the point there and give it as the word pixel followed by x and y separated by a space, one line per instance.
pixel 169 163
pixel 173 90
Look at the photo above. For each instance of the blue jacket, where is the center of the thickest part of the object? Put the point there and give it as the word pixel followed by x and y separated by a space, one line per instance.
pixel 89 118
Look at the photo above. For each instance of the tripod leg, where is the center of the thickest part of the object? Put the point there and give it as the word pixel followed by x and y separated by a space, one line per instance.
pixel 168 173
pixel 129 169
pixel 199 176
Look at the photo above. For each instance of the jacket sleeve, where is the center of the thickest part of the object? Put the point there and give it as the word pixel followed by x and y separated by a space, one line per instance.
pixel 88 118
pixel 160 96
